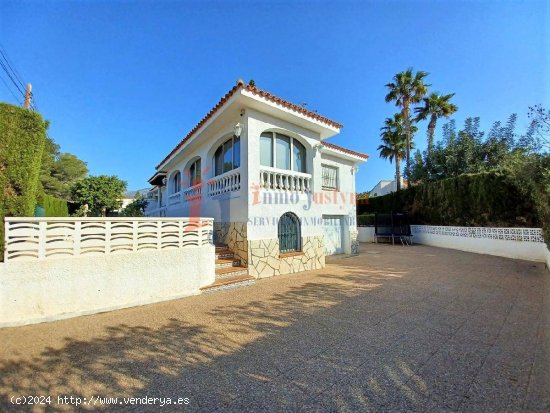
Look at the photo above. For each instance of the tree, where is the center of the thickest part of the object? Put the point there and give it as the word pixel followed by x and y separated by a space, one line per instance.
pixel 101 193
pixel 540 127
pixel 435 106
pixel 418 169
pixel 136 208
pixel 394 144
pixel 59 171
pixel 407 89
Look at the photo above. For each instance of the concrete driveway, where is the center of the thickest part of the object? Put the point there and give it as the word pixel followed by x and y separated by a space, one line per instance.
pixel 393 329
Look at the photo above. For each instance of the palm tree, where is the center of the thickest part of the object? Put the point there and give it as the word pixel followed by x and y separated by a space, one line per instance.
pixel 407 89
pixel 394 144
pixel 435 106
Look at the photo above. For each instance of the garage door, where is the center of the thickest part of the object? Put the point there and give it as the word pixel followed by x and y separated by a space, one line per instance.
pixel 334 230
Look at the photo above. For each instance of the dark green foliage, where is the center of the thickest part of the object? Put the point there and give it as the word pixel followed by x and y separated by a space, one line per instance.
pixel 365 220
pixel 22 137
pixel 60 171
pixel 468 151
pixel 53 207
pixel 136 208
pixel 484 199
pixel 101 193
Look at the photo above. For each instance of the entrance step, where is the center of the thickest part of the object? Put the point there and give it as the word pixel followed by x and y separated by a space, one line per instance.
pixel 227 263
pixel 231 271
pixel 228 282
pixel 225 254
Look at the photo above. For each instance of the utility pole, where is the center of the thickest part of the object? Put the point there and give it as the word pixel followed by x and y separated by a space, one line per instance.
pixel 27 103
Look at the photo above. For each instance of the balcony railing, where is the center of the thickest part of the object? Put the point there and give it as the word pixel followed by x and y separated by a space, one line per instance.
pixel 227 182
pixel 174 199
pixel 156 212
pixel 278 179
pixel 192 193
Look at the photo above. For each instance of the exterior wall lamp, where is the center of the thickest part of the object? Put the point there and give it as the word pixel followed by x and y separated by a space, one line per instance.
pixel 238 129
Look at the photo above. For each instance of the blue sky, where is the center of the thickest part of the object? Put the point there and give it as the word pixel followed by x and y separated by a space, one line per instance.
pixel 122 82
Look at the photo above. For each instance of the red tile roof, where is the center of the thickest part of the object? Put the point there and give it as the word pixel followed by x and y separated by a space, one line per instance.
pixel 240 84
pixel 292 106
pixel 348 151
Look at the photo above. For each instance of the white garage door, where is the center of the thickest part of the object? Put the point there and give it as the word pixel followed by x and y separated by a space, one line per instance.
pixel 334 230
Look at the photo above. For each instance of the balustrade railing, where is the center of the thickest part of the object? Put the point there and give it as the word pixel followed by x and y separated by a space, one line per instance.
pixel 192 193
pixel 174 199
pixel 45 238
pixel 227 182
pixel 278 179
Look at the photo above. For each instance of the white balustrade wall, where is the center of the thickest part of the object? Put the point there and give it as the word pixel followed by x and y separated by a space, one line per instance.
pixel 64 267
pixel 521 243
pixel 227 182
pixel 192 193
pixel 46 238
pixel 285 180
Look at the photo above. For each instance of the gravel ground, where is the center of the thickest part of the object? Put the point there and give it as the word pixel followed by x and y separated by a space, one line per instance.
pixel 392 329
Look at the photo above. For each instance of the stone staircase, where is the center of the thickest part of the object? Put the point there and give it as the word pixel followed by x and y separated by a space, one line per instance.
pixel 229 272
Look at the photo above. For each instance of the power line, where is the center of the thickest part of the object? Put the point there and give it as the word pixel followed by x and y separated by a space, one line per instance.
pixel 15 77
pixel 11 65
pixel 9 89
pixel 11 78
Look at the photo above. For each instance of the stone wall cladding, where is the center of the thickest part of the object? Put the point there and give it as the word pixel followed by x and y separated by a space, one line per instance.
pixel 354 239
pixel 264 260
pixel 233 234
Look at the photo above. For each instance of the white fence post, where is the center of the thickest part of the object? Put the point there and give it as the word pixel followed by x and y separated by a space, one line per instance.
pixel 108 237
pixel 135 225
pixel 77 235
pixel 42 226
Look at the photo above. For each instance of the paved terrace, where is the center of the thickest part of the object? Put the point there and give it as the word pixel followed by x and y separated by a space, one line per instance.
pixel 394 329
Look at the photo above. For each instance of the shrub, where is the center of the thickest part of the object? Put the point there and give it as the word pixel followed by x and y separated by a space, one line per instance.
pixel 365 220
pixel 22 137
pixel 484 199
pixel 54 207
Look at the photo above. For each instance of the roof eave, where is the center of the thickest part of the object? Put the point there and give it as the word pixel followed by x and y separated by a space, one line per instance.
pixel 326 129
pixel 348 156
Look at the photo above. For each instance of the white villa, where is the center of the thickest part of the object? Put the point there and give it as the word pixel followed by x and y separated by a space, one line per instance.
pixel 385 187
pixel 281 196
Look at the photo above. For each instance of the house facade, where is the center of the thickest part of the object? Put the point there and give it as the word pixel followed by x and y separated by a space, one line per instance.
pixel 385 187
pixel 282 198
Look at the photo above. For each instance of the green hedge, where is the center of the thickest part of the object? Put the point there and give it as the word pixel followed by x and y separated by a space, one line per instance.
pixel 54 207
pixel 22 138
pixel 365 220
pixel 485 199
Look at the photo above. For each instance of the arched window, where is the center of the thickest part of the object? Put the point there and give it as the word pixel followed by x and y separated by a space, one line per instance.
pixel 282 152
pixel 175 182
pixel 290 238
pixel 195 173
pixel 227 156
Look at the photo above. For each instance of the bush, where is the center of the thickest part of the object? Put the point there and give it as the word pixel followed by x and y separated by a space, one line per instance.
pixel 22 138
pixel 54 207
pixel 365 220
pixel 484 199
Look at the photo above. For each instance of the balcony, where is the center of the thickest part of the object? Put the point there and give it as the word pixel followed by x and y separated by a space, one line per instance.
pixel 283 180
pixel 224 183
pixel 192 193
pixel 156 211
pixel 174 199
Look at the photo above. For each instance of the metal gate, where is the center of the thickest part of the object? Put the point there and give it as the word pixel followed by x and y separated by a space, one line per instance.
pixel 289 233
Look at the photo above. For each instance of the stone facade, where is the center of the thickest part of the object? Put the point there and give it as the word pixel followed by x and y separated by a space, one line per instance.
pixel 264 259
pixel 233 234
pixel 354 239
